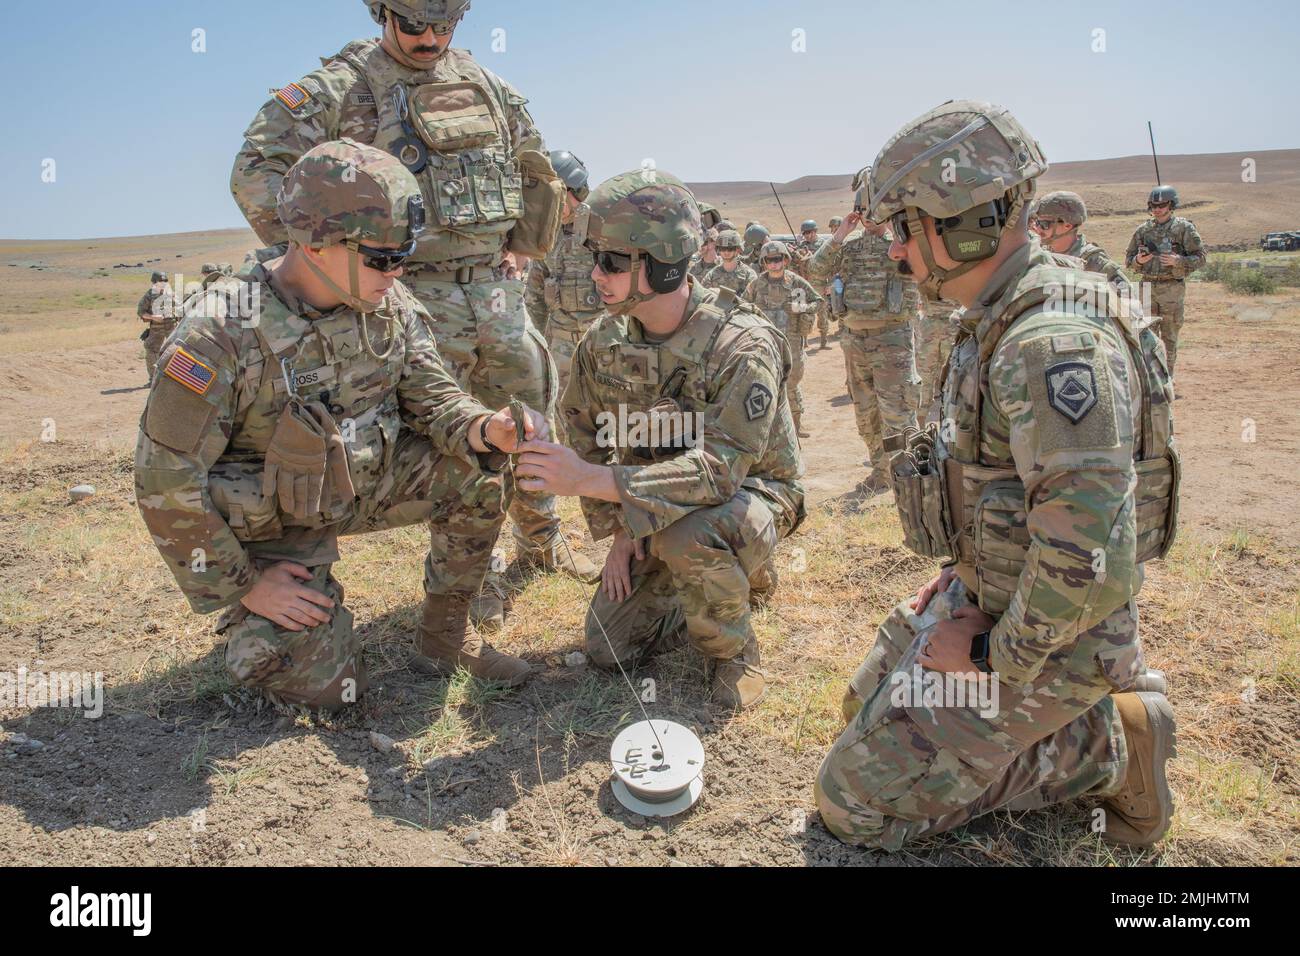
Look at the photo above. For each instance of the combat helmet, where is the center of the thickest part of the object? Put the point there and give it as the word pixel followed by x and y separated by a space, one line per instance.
pixel 808 225
pixel 709 215
pixel 1063 205
pixel 208 268
pixel 729 239
pixel 650 217
pixel 969 165
pixel 158 277
pixel 835 222
pixel 1163 194
pixel 725 224
pixel 572 171
pixel 755 235
pixel 775 248
pixel 420 11
pixel 349 193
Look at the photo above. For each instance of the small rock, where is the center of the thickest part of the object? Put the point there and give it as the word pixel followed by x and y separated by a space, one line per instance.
pixel 472 837
pixel 575 659
pixel 81 492
pixel 150 838
pixel 382 742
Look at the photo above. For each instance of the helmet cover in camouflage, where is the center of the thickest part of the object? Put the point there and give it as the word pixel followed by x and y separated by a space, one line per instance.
pixel 729 239
pixel 158 277
pixel 345 191
pixel 1063 205
pixel 861 187
pixel 709 215
pixel 649 211
pixel 208 268
pixel 808 225
pixel 756 234
pixel 953 158
pixel 572 171
pixel 1163 194
pixel 724 224
pixel 775 248
pixel 421 11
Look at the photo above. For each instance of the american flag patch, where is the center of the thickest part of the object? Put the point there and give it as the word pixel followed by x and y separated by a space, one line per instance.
pixel 292 96
pixel 189 371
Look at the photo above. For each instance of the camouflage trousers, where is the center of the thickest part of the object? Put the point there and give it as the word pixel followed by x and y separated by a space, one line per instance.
pixel 793 382
pixel 153 344
pixel 563 333
pixel 321 666
pixel 906 767
pixel 693 585
pixel 1167 303
pixel 933 337
pixel 882 383
pixel 823 318
pixel 493 350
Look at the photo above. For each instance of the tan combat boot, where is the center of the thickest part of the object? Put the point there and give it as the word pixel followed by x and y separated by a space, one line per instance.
pixel 738 683
pixel 798 426
pixel 560 558
pixel 487 611
pixel 1139 814
pixel 445 642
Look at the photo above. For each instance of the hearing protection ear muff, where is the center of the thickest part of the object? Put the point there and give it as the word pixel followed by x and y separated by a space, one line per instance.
pixel 975 233
pixel 665 276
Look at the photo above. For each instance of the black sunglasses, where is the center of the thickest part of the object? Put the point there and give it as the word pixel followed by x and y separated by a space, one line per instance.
pixel 898 226
pixel 612 263
pixel 384 260
pixel 1044 224
pixel 773 260
pixel 414 28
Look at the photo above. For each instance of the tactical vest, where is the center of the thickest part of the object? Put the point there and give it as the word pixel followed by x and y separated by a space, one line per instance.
pixel 569 286
pixel 1158 240
pixel 875 294
pixel 955 504
pixel 328 363
pixel 455 116
pixel 773 298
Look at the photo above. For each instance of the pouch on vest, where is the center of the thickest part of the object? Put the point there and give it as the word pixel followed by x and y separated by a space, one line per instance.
pixel 295 462
pixel 918 482
pixel 236 490
pixel 537 230
pixel 451 117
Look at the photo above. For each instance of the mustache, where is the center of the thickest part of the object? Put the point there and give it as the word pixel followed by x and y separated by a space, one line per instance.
pixel 905 268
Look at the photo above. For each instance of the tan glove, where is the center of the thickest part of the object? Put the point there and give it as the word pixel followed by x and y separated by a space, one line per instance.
pixel 295 461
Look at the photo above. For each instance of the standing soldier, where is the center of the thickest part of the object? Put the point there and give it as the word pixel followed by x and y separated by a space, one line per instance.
pixel 324 410
pixel 493 199
pixel 1050 487
pixel 755 235
pixel 160 312
pixel 695 520
pixel 1166 249
pixel 561 298
pixel 1057 219
pixel 789 303
pixel 730 273
pixel 707 257
pixel 808 244
pixel 877 333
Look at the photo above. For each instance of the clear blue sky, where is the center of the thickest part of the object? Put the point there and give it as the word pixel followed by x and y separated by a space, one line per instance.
pixel 143 130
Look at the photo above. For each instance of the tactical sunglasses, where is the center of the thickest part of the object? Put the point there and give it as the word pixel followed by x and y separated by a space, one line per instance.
pixel 384 260
pixel 773 260
pixel 414 28
pixel 898 226
pixel 1044 224
pixel 1159 205
pixel 612 263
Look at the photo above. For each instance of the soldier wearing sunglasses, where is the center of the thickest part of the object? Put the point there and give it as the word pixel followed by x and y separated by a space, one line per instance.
pixel 1166 249
pixel 791 304
pixel 324 411
pixel 493 200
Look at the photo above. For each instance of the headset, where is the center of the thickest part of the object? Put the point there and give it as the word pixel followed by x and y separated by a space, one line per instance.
pixel 975 233
pixel 664 277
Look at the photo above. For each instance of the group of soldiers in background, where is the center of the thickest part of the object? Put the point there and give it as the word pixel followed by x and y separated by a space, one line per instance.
pixel 532 307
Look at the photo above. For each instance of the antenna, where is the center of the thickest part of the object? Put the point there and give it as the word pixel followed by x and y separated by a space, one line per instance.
pixel 1154 158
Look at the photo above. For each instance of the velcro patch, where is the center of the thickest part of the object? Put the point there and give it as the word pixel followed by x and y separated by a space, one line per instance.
pixel 189 371
pixel 1072 389
pixel 292 96
pixel 758 401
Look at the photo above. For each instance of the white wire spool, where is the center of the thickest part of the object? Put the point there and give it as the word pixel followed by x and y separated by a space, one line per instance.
pixel 657 782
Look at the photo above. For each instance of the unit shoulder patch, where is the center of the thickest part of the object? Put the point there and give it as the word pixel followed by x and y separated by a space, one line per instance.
pixel 1072 389
pixel 758 401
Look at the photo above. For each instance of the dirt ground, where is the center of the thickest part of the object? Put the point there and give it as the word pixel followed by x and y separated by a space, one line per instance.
pixel 184 768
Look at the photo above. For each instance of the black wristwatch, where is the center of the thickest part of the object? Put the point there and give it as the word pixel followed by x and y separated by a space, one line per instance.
pixel 482 436
pixel 979 652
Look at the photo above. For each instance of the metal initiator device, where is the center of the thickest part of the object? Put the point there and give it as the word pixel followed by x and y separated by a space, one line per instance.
pixel 658 768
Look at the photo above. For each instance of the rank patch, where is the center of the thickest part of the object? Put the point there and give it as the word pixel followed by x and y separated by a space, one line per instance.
pixel 189 371
pixel 292 96
pixel 758 401
pixel 1072 389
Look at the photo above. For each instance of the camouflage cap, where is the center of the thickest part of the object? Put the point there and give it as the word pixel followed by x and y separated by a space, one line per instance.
pixel 775 248
pixel 208 268
pixel 648 211
pixel 808 225
pixel 756 233
pixel 729 239
pixel 1061 204
pixel 421 11
pixel 953 158
pixel 572 171
pixel 346 191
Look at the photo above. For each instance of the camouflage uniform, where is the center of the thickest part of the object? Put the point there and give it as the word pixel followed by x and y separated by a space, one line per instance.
pixel 700 268
pixel 472 189
pixel 562 299
pixel 160 309
pixel 1167 283
pixel 1056 477
pixel 784 302
pixel 801 250
pixel 876 338
pixel 226 494
pixel 932 336
pixel 737 280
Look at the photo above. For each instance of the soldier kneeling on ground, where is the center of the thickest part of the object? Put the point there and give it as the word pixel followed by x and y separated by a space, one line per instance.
pixel 706 479
pixel 303 401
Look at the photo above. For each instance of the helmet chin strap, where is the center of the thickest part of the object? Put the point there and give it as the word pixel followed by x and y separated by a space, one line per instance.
pixel 634 295
pixel 353 298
